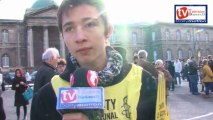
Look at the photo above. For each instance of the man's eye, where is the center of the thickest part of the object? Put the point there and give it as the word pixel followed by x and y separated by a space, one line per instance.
pixel 68 29
pixel 90 24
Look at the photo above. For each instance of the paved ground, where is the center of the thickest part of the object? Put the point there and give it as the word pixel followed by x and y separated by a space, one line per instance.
pixel 9 107
pixel 181 105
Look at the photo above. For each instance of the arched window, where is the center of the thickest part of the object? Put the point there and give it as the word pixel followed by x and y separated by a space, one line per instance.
pixel 167 34
pixel 5 35
pixel 5 60
pixel 189 53
pixel 188 35
pixel 178 35
pixel 134 38
pixel 155 55
pixel 206 36
pixel 180 54
pixel 153 36
pixel 169 54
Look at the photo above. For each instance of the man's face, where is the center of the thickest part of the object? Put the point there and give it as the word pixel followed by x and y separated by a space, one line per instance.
pixel 83 33
pixel 54 60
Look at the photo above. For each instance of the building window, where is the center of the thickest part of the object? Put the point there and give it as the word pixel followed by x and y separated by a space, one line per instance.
pixel 153 36
pixel 206 36
pixel 5 35
pixel 180 54
pixel 155 55
pixel 134 38
pixel 189 53
pixel 5 60
pixel 188 35
pixel 169 54
pixel 167 34
pixel 178 35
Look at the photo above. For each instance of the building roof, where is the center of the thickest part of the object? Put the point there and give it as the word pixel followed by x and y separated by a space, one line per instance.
pixel 39 4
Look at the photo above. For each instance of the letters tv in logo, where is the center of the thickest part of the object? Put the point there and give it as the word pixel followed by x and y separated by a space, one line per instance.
pixel 191 14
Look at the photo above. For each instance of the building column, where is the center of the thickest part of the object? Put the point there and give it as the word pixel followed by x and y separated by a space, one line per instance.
pixel 30 51
pixel 46 38
pixel 62 46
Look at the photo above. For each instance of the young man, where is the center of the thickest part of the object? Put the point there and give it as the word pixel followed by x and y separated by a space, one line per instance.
pixel 129 92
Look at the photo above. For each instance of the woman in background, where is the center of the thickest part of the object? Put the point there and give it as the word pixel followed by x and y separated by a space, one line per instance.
pixel 20 85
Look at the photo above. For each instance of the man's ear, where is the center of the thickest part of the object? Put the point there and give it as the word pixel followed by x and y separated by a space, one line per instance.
pixel 109 31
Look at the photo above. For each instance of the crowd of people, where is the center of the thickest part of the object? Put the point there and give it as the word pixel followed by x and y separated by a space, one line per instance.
pixel 179 70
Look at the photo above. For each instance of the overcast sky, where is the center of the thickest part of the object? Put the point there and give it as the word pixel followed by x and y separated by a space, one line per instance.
pixel 120 10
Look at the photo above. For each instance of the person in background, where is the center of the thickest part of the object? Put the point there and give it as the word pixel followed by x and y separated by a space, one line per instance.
pixel 142 61
pixel 61 65
pixel 48 69
pixel 27 76
pixel 20 85
pixel 2 80
pixel 2 112
pixel 178 69
pixel 168 78
pixel 193 76
pixel 135 59
pixel 210 62
pixel 171 70
pixel 207 77
pixel 86 29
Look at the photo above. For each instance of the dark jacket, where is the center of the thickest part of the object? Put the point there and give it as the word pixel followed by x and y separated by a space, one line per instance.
pixel 2 112
pixel 43 76
pixel 19 99
pixel 171 69
pixel 210 62
pixel 44 102
pixel 149 67
pixel 192 68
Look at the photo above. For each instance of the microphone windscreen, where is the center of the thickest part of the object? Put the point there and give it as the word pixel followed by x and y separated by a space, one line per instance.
pixel 83 77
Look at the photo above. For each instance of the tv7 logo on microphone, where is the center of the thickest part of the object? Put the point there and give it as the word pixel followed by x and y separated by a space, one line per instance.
pixel 80 98
pixel 190 14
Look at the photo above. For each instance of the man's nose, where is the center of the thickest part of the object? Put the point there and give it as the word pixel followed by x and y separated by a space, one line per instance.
pixel 79 34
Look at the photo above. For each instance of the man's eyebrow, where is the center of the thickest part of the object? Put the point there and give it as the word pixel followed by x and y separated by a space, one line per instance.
pixel 67 24
pixel 89 18
pixel 83 20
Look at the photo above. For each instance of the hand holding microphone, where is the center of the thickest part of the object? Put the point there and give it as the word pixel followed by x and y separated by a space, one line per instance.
pixel 83 96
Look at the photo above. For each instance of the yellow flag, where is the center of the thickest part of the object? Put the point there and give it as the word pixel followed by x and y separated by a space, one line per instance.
pixel 161 107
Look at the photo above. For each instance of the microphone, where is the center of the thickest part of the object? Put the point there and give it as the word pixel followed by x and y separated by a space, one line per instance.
pixel 83 96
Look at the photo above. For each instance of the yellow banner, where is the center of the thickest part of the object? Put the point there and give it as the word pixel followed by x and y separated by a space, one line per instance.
pixel 161 107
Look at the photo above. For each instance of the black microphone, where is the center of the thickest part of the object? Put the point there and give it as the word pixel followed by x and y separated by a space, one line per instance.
pixel 83 96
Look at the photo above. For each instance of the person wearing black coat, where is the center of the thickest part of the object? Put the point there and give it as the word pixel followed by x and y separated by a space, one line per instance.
pixel 20 85
pixel 50 60
pixel 2 112
pixel 171 69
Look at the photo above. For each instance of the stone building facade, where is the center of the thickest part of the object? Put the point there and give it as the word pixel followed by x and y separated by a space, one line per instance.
pixel 165 41
pixel 22 42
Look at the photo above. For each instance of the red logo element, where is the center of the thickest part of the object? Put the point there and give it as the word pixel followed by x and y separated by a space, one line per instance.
pixel 68 96
pixel 182 13
pixel 72 79
pixel 92 78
